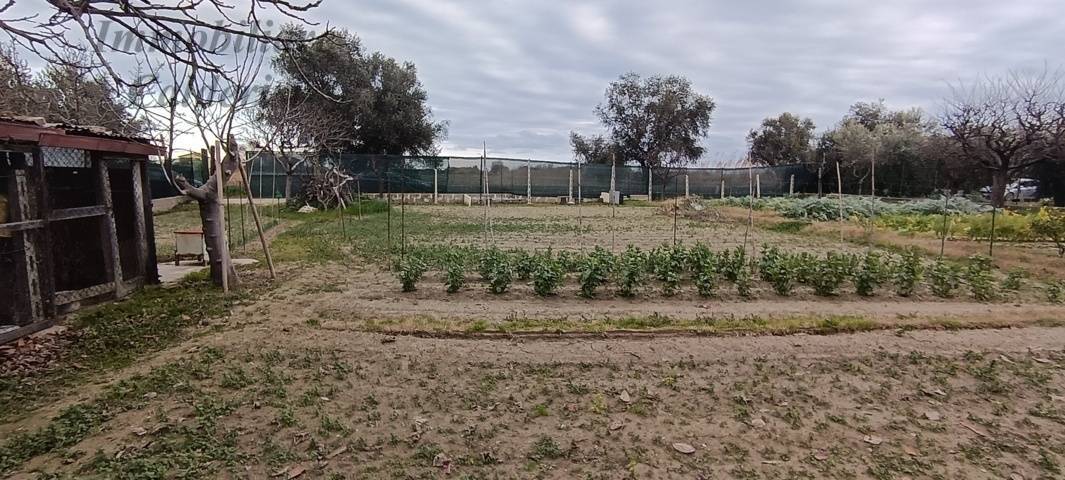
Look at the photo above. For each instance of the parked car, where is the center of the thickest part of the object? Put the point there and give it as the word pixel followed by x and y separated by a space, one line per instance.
pixel 1024 189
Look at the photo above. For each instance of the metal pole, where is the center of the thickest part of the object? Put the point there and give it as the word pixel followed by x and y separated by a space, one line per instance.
pixel 676 208
pixel 839 186
pixel 791 187
pixel 687 192
pixel 388 176
pixel 758 185
pixel 528 181
pixel 722 187
pixel 358 191
pixel 435 188
pixel 403 225
pixel 580 202
pixel 750 207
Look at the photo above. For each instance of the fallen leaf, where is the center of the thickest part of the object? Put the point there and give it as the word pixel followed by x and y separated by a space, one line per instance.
pixel 873 440
pixel 1016 476
pixel 616 426
pixel 1042 360
pixel 140 432
pixel 296 472
pixel 934 392
pixel 933 415
pixel 910 451
pixel 684 448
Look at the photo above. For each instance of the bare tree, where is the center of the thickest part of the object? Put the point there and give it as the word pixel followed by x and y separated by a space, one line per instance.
pixel 292 130
pixel 187 80
pixel 1009 123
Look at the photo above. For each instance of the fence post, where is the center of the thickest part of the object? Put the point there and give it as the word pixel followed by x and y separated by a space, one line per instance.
pixel 650 191
pixel 722 189
pixel 436 190
pixel 687 193
pixel 569 198
pixel 528 181
pixel 758 185
pixel 791 187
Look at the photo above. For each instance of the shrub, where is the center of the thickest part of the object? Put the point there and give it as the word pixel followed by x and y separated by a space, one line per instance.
pixel 978 276
pixel 455 277
pixel 667 264
pixel 779 269
pixel 1049 224
pixel 805 267
pixel 733 263
pixel 410 270
pixel 945 279
pixel 1055 291
pixel 704 273
pixel 547 274
pixel 524 264
pixel 743 280
pixel 831 273
pixel 594 271
pixel 1014 279
pixel 631 271
pixel 907 272
pixel 869 274
pixel 698 256
pixel 496 270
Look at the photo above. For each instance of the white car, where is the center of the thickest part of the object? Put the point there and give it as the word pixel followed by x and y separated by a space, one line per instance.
pixel 1024 189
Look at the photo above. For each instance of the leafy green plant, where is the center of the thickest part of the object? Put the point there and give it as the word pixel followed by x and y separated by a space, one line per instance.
pixel 978 276
pixel 743 280
pixel 410 270
pixel 733 263
pixel 594 271
pixel 1014 279
pixel 704 273
pixel 496 270
pixel 667 264
pixel 779 269
pixel 455 277
pixel 906 273
pixel 523 264
pixel 1055 291
pixel 945 279
pixel 831 273
pixel 869 274
pixel 1050 224
pixel 547 274
pixel 631 271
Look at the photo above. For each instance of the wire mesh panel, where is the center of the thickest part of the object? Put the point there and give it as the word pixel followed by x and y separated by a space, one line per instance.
pixel 65 157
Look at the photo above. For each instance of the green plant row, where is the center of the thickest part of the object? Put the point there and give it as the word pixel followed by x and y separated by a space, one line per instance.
pixel 854 207
pixel 671 267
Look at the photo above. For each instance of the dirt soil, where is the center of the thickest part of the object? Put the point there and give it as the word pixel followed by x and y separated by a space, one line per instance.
pixel 295 385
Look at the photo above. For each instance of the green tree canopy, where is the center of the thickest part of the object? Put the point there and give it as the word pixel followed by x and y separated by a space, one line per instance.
pixel 656 122
pixel 783 140
pixel 380 102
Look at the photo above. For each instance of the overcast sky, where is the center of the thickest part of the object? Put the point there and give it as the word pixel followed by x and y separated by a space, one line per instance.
pixel 521 74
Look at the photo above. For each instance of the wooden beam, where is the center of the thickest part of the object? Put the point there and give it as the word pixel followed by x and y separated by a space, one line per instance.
pixel 21 226
pixel 24 330
pixel 71 296
pixel 138 216
pixel 78 212
pixel 28 280
pixel 43 210
pixel 108 230
pixel 151 268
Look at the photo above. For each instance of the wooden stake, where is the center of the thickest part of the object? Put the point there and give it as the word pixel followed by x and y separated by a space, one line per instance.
pixel 221 198
pixel 839 186
pixel 258 223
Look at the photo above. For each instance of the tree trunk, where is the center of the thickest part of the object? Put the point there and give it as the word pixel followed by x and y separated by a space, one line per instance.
pixel 288 187
pixel 999 180
pixel 214 236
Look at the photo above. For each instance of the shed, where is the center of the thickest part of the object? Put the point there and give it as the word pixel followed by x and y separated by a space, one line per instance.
pixel 75 220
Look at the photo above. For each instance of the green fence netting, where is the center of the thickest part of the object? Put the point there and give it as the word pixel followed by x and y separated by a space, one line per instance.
pixel 462 175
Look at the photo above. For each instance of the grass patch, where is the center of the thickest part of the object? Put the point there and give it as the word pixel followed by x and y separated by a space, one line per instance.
pixel 78 421
pixel 788 227
pixel 114 335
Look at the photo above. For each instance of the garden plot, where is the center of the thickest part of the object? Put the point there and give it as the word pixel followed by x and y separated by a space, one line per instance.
pixel 544 254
